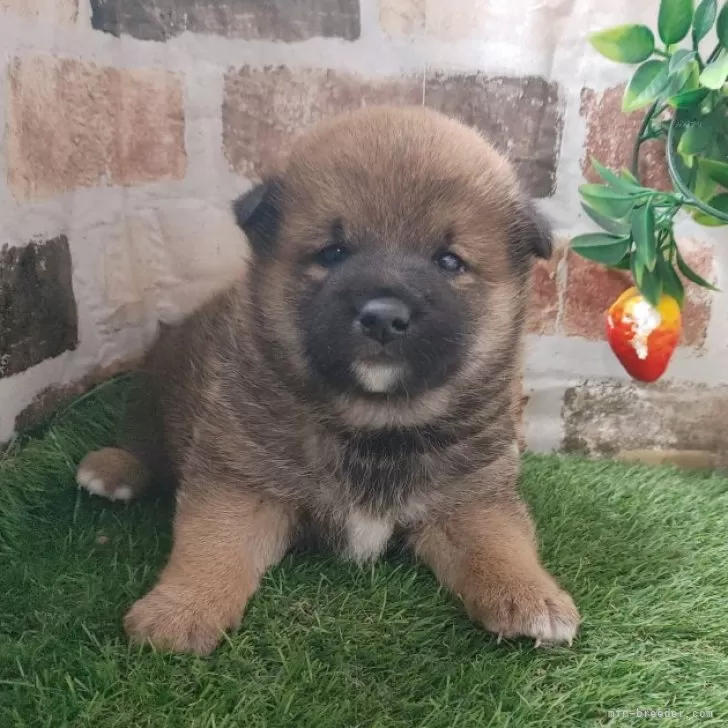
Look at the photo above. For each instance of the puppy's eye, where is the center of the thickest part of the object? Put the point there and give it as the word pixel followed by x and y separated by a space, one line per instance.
pixel 450 263
pixel 332 255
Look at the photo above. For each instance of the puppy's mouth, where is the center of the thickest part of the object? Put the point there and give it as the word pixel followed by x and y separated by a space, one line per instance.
pixel 379 376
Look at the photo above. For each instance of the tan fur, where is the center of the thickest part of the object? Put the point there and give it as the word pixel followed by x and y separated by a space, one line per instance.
pixel 114 473
pixel 487 555
pixel 266 456
pixel 223 543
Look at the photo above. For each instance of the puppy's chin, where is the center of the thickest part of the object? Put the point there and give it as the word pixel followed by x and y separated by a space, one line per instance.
pixel 374 412
pixel 379 377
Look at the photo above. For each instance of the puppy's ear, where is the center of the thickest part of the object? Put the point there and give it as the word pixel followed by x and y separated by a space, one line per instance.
pixel 531 232
pixel 257 213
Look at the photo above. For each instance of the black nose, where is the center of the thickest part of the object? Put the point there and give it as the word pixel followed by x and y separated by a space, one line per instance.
pixel 385 319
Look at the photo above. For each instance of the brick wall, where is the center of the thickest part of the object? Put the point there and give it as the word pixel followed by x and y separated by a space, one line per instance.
pixel 127 126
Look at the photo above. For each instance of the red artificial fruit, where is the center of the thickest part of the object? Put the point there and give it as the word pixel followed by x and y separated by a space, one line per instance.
pixel 643 337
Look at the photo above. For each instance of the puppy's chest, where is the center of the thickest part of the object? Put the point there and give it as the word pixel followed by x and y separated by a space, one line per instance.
pixel 375 485
pixel 384 469
pixel 363 535
pixel 378 484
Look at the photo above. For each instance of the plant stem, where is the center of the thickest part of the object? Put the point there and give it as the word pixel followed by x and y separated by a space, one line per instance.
pixel 640 138
pixel 714 54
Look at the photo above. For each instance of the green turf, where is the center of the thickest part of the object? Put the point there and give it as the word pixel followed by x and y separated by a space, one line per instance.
pixel 643 551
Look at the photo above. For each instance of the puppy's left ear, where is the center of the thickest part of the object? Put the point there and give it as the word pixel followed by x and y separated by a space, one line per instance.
pixel 258 212
pixel 531 232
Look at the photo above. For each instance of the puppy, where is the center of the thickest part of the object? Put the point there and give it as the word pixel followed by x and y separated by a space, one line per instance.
pixel 361 381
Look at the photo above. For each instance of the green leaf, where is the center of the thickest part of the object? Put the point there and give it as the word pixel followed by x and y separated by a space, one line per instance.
pixel 715 73
pixel 674 20
pixel 717 171
pixel 638 270
pixel 651 286
pixel 615 227
pixel 721 27
pixel 629 43
pixel 680 60
pixel 627 175
pixel 607 201
pixel 688 98
pixel 620 184
pixel 684 79
pixel 671 283
pixel 704 186
pixel 695 139
pixel 648 81
pixel 720 203
pixel 601 248
pixel 703 20
pixel 643 233
pixel 624 264
pixel 690 274
pixel 721 142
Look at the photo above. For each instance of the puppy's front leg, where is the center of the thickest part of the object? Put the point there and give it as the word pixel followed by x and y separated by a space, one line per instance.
pixel 487 555
pixel 224 540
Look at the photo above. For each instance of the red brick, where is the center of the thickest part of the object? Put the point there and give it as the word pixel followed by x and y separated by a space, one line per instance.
pixel 610 138
pixel 544 304
pixel 591 288
pixel 282 20
pixel 75 124
pixel 265 109
pixel 38 318
pixel 522 116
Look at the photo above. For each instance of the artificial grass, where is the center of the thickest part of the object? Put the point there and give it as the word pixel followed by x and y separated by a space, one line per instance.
pixel 323 644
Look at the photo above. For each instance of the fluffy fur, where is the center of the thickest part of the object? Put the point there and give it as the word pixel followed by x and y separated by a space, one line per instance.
pixel 279 416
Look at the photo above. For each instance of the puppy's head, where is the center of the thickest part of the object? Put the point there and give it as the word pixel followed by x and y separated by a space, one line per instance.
pixel 391 255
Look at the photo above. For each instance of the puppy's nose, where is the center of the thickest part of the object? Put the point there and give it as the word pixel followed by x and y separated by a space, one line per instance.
pixel 385 319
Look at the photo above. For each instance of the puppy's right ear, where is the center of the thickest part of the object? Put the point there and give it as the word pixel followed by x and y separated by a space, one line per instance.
pixel 257 213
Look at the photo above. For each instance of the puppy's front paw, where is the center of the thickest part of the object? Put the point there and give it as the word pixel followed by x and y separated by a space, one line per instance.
pixel 535 607
pixel 175 619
